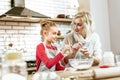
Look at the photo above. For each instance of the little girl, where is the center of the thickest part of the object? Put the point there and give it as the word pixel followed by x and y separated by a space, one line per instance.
pixel 48 57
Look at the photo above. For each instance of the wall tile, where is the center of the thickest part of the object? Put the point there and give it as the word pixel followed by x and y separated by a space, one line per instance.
pixel 12 23
pixel 11 31
pixel 24 24
pixel 30 27
pixel 5 27
pixel 18 27
pixel 2 32
pixel 24 32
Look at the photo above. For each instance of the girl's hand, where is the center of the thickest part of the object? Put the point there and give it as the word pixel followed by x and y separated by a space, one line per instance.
pixel 73 51
pixel 75 48
pixel 85 52
pixel 66 48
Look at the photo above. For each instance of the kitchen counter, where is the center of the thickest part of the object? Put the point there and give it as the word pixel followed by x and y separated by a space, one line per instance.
pixel 30 77
pixel 72 73
pixel 113 78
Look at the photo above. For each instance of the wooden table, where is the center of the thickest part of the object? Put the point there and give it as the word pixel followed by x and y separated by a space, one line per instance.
pixel 70 74
pixel 114 78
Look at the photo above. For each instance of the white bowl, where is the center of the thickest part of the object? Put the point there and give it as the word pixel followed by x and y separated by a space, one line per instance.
pixel 81 63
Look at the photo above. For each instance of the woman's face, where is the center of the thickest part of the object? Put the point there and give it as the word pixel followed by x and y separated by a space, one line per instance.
pixel 52 34
pixel 78 25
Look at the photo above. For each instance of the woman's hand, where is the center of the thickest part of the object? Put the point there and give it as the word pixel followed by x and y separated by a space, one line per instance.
pixel 85 52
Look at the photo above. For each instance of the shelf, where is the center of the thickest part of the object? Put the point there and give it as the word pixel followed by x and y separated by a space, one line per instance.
pixel 21 19
pixel 31 68
pixel 60 37
pixel 61 20
pixel 34 20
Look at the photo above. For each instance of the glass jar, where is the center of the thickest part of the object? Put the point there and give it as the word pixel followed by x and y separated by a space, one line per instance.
pixel 13 67
pixel 108 58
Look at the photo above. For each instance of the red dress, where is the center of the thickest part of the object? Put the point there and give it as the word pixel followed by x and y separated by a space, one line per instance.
pixel 48 58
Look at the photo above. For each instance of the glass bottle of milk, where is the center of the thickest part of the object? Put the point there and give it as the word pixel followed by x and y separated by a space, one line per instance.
pixel 13 67
pixel 108 58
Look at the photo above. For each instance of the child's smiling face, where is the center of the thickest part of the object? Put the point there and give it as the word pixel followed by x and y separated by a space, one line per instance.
pixel 51 34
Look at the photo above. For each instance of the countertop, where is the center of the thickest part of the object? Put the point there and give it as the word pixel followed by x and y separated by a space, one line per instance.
pixel 63 73
pixel 114 78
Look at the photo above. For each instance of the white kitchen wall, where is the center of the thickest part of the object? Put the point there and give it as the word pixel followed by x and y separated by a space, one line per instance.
pixel 84 5
pixel 99 10
pixel 4 6
pixel 24 36
pixel 114 10
pixel 52 8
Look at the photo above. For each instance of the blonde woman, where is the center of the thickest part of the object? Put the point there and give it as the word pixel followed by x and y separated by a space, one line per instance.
pixel 83 33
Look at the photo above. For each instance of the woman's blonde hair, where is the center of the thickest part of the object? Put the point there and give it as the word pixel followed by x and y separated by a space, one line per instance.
pixel 45 25
pixel 86 18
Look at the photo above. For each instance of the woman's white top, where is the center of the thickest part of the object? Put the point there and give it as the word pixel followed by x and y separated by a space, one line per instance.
pixel 92 43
